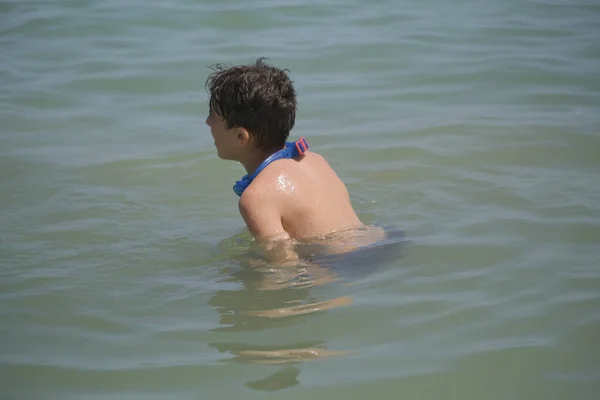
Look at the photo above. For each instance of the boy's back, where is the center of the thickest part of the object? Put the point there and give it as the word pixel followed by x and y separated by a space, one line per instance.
pixel 306 193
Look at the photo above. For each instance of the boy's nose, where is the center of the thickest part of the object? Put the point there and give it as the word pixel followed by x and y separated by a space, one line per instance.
pixel 208 120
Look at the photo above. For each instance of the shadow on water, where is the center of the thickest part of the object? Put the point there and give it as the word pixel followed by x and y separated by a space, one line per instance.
pixel 268 297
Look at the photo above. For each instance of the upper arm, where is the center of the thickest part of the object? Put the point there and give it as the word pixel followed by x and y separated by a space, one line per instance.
pixel 260 215
pixel 263 218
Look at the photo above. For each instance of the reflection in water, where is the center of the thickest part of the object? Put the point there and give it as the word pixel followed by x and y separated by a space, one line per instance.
pixel 271 298
pixel 284 378
pixel 292 353
pixel 274 297
pixel 277 293
pixel 303 309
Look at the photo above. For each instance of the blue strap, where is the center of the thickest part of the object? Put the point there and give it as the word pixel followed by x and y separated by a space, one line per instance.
pixel 291 150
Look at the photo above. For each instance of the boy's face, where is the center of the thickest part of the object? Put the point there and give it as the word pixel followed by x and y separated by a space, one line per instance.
pixel 226 140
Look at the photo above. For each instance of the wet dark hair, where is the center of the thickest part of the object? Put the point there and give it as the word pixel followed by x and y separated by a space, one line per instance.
pixel 258 97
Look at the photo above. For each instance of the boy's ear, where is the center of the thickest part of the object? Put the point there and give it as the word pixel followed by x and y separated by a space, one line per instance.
pixel 243 136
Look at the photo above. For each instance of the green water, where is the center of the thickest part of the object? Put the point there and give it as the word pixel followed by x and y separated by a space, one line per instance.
pixel 471 126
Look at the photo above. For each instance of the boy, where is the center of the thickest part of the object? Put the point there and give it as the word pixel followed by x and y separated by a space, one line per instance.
pixel 288 192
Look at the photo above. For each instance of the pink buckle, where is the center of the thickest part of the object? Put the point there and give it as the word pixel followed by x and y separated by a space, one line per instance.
pixel 302 145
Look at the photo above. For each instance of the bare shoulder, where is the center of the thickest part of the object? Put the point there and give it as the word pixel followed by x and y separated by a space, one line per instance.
pixel 312 157
pixel 291 177
pixel 254 195
pixel 311 161
pixel 261 213
pixel 262 194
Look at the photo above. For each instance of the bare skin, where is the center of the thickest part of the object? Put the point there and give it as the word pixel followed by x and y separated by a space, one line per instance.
pixel 303 198
pixel 291 199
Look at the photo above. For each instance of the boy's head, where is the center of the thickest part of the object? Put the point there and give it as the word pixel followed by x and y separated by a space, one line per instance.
pixel 250 104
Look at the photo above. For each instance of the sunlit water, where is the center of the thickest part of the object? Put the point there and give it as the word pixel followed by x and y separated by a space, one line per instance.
pixel 470 128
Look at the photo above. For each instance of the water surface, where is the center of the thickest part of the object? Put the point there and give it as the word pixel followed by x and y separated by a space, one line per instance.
pixel 471 126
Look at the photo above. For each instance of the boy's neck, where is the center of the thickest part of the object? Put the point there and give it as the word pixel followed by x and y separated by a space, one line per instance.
pixel 253 161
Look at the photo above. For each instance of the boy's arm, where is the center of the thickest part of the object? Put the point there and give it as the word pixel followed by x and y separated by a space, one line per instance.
pixel 264 223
